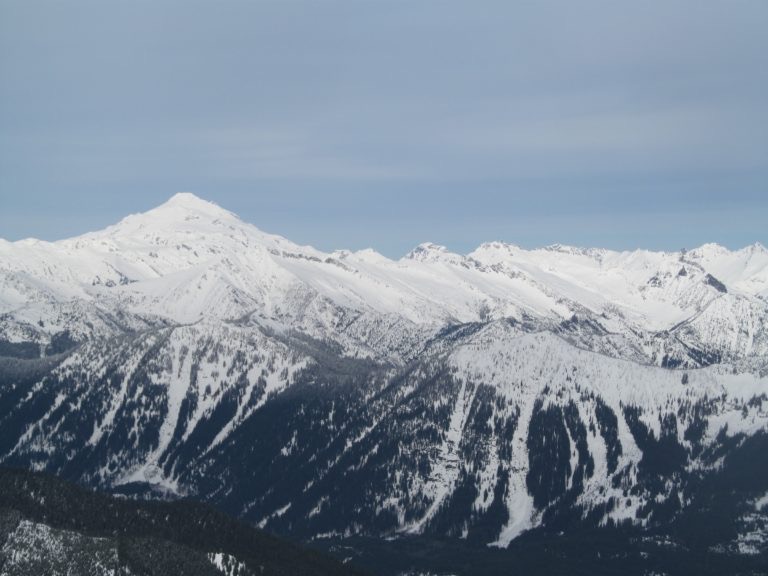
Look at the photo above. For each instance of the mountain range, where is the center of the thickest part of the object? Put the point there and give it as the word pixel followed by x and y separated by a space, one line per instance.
pixel 481 399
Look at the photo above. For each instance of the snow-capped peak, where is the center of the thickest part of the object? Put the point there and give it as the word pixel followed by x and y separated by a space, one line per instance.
pixel 708 250
pixel 184 214
pixel 494 251
pixel 756 248
pixel 429 252
pixel 188 203
pixel 189 259
pixel 180 208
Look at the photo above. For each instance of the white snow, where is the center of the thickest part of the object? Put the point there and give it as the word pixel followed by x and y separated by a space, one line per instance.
pixel 226 564
pixel 761 502
pixel 190 259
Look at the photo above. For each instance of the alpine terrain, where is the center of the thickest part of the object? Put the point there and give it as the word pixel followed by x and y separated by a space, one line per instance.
pixel 512 404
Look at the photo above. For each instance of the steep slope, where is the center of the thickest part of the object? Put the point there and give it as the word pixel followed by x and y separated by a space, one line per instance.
pixel 493 431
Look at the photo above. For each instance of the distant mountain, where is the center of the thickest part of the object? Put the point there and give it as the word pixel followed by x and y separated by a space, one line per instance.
pixel 190 262
pixel 51 527
pixel 333 396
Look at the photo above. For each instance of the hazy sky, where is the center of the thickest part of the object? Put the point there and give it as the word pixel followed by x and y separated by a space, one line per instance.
pixel 387 123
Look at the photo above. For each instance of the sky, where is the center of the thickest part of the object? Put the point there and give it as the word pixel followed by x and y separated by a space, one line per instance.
pixel 387 123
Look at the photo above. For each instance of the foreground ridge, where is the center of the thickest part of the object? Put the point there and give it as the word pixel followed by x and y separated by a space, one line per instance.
pixel 48 526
